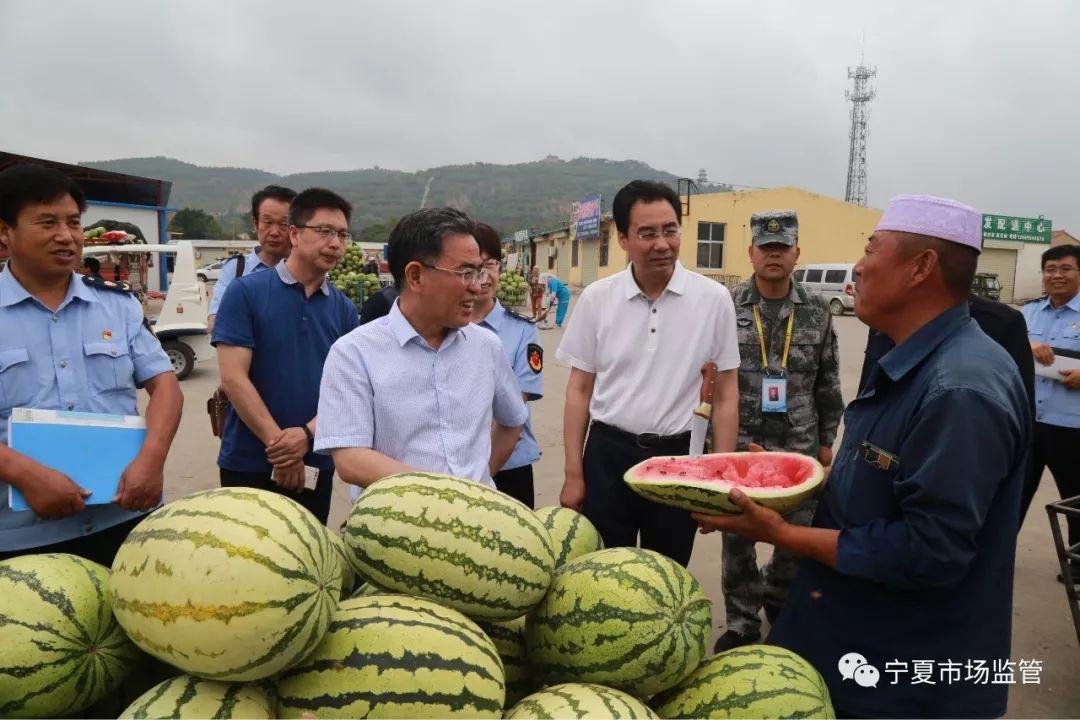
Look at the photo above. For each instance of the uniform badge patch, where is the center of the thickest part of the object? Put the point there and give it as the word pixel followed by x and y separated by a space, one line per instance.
pixel 536 357
pixel 773 226
pixel 106 335
pixel 102 284
pixel 877 457
pixel 743 322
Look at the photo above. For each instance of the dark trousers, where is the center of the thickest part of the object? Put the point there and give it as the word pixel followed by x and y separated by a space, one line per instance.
pixel 618 513
pixel 316 501
pixel 1058 448
pixel 517 483
pixel 99 547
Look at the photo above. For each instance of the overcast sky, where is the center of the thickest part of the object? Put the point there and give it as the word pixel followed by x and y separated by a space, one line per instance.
pixel 979 101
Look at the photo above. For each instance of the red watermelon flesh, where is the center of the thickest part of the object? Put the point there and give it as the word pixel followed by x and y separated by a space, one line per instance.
pixel 780 480
pixel 747 472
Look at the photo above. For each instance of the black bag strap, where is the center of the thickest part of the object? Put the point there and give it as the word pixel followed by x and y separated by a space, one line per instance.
pixel 240 265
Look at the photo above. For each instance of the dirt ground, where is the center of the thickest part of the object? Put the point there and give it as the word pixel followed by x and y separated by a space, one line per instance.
pixel 1042 627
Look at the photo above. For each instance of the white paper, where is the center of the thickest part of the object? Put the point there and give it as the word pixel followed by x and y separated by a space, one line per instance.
pixel 311 477
pixel 1053 371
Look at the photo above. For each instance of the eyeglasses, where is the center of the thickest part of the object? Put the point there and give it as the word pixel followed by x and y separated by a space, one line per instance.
pixel 490 263
pixel 327 233
pixel 1059 270
pixel 467 276
pixel 648 234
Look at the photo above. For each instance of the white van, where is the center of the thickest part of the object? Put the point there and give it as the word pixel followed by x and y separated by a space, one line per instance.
pixel 833 281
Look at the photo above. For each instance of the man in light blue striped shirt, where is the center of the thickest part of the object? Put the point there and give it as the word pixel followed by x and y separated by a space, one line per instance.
pixel 418 389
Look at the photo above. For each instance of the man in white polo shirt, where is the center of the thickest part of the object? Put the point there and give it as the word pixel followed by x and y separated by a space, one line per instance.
pixel 636 344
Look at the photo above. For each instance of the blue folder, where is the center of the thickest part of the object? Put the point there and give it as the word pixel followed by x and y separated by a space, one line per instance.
pixel 90 448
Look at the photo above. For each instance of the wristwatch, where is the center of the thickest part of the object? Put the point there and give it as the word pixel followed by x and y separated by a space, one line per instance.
pixel 310 438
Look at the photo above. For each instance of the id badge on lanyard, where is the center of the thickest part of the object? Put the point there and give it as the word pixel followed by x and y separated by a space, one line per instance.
pixel 774 388
pixel 774 394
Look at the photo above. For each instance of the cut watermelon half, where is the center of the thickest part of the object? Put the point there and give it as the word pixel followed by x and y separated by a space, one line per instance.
pixel 778 480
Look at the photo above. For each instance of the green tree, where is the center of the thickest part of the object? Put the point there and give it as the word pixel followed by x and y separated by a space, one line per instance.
pixel 378 231
pixel 235 224
pixel 194 224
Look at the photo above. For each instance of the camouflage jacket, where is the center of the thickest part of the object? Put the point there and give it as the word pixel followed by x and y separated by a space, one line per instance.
pixel 814 402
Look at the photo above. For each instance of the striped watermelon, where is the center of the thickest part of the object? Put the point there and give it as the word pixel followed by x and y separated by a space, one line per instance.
pixel 580 700
pixel 395 656
pixel 629 618
pixel 572 535
pixel 227 584
pixel 453 541
pixel 348 573
pixel 509 639
pixel 191 697
pixel 753 681
pixel 62 649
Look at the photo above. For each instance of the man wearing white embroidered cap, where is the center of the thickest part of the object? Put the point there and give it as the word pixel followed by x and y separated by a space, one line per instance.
pixel 910 556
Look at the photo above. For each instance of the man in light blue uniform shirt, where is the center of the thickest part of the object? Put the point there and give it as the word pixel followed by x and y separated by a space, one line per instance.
pixel 521 343
pixel 418 389
pixel 270 220
pixel 1054 329
pixel 75 343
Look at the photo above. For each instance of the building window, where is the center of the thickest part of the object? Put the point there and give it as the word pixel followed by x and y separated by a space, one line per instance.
pixel 574 253
pixel 552 257
pixel 710 245
pixel 602 252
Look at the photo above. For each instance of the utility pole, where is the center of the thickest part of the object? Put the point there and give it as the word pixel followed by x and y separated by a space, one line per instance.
pixel 859 97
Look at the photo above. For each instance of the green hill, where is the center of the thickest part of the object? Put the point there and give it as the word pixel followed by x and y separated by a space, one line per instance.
pixel 535 195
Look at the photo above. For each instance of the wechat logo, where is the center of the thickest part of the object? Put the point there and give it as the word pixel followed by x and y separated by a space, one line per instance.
pixel 854 666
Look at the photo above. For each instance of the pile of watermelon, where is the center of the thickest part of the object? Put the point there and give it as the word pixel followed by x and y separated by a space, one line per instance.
pixel 348 278
pixel 101 236
pixel 113 232
pixel 442 599
pixel 513 289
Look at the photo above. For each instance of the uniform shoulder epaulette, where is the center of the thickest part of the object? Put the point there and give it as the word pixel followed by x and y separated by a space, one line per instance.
pixel 101 283
pixel 519 316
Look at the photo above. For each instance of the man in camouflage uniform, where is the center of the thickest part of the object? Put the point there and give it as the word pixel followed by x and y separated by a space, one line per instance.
pixel 792 405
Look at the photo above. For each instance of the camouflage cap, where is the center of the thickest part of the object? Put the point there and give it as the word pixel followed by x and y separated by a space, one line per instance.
pixel 779 226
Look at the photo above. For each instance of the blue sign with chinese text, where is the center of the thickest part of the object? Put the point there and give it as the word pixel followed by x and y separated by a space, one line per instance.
pixel 586 218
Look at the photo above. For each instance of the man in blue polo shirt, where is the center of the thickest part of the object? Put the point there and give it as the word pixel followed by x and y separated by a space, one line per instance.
pixel 270 221
pixel 910 557
pixel 273 332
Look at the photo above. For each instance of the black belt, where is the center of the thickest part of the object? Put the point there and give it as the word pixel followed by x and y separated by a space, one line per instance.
pixel 652 441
